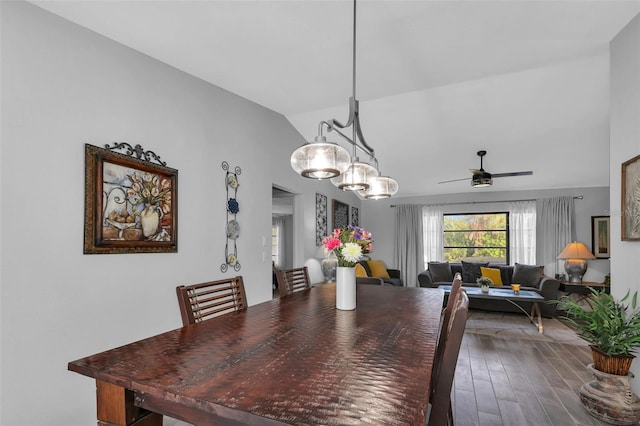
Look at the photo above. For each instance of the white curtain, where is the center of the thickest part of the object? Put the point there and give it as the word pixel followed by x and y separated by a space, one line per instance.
pixel 278 246
pixel 522 232
pixel 408 247
pixel 433 222
pixel 555 224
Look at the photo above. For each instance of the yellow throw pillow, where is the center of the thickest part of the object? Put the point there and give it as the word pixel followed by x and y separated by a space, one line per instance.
pixel 493 274
pixel 360 271
pixel 378 269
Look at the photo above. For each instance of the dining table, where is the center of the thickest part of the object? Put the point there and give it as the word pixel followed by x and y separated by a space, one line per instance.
pixel 291 360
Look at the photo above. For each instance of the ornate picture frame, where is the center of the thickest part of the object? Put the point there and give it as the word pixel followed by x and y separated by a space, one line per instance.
pixel 321 218
pixel 601 237
pixel 340 214
pixel 631 200
pixel 130 204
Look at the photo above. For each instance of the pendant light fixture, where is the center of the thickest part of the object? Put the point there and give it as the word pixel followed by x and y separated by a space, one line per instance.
pixel 321 159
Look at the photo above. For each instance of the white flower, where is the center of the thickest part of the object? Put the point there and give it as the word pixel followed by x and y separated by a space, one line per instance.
pixel 351 252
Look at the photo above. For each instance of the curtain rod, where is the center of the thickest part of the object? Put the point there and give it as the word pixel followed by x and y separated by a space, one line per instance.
pixel 579 197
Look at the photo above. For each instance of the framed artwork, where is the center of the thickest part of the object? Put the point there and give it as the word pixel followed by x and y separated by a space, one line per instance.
pixel 340 214
pixel 355 216
pixel 130 204
pixel 321 218
pixel 600 239
pixel 631 199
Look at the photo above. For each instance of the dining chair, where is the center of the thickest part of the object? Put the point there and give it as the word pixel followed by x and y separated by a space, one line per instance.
pixel 199 302
pixel 446 319
pixel 292 280
pixel 441 412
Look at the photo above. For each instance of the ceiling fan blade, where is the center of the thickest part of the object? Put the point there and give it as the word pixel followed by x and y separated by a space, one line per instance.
pixel 527 173
pixel 454 180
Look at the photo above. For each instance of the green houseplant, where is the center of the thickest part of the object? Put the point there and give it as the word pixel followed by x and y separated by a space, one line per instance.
pixel 610 326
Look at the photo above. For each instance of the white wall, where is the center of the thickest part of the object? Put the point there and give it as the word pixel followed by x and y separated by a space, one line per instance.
pixel 380 217
pixel 63 86
pixel 625 144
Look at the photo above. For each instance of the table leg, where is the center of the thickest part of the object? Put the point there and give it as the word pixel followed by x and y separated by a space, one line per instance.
pixel 115 406
pixel 535 312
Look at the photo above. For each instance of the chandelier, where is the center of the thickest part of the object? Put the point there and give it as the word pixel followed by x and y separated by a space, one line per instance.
pixel 321 159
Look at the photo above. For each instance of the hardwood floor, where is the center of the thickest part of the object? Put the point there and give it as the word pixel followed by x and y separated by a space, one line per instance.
pixel 513 377
pixel 507 374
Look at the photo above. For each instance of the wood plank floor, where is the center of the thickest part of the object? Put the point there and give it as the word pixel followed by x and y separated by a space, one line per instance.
pixel 515 377
pixel 507 374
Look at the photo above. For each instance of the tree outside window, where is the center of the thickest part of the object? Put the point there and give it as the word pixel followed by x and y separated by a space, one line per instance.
pixel 477 237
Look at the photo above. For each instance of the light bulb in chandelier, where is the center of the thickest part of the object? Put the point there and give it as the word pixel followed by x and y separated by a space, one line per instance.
pixel 380 187
pixel 320 159
pixel 356 177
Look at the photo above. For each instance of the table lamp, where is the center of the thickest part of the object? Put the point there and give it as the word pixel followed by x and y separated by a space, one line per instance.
pixel 575 264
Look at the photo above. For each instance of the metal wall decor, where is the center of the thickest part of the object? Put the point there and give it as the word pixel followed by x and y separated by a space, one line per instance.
pixel 131 204
pixel 232 226
pixel 355 216
pixel 321 218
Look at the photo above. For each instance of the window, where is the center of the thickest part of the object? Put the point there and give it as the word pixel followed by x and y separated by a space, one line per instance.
pixel 477 237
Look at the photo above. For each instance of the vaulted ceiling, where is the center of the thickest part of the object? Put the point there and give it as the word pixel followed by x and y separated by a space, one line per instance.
pixel 528 81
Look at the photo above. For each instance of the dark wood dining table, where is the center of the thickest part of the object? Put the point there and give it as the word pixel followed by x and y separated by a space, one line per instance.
pixel 294 360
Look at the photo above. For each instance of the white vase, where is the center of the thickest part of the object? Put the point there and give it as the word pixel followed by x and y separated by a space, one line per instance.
pixel 149 219
pixel 345 288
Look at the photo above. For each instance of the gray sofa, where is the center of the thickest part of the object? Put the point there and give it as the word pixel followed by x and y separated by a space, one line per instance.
pixel 530 277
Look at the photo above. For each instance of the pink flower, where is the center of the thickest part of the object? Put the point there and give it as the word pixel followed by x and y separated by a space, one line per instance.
pixel 332 243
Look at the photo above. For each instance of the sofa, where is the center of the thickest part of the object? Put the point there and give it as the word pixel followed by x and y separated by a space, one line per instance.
pixel 530 277
pixel 375 275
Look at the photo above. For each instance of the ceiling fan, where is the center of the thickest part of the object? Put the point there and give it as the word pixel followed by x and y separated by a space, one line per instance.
pixel 482 178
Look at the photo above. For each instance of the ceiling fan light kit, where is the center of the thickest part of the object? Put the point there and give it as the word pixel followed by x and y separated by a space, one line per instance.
pixel 481 180
pixel 323 160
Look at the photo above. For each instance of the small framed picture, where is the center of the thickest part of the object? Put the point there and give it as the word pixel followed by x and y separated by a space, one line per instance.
pixel 600 237
pixel 340 214
pixel 130 204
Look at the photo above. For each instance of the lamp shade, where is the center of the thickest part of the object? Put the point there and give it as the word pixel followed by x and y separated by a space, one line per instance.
pixel 356 177
pixel 380 187
pixel 320 159
pixel 576 250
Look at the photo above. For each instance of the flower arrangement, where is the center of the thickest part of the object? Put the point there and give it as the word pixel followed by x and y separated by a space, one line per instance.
pixel 349 244
pixel 148 189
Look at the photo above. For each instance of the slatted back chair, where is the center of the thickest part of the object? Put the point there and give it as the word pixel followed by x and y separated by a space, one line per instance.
pixel 292 280
pixel 199 302
pixel 446 319
pixel 441 413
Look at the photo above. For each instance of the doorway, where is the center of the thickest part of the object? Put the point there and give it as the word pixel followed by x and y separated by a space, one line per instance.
pixel 283 220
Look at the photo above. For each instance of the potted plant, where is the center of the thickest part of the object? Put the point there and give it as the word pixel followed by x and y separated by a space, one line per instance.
pixel 610 327
pixel 613 330
pixel 484 284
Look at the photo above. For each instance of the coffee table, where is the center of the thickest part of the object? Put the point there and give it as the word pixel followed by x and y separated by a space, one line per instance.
pixel 507 294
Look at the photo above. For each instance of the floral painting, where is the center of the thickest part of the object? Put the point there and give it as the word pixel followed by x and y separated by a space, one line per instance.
pixel 631 200
pixel 130 204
